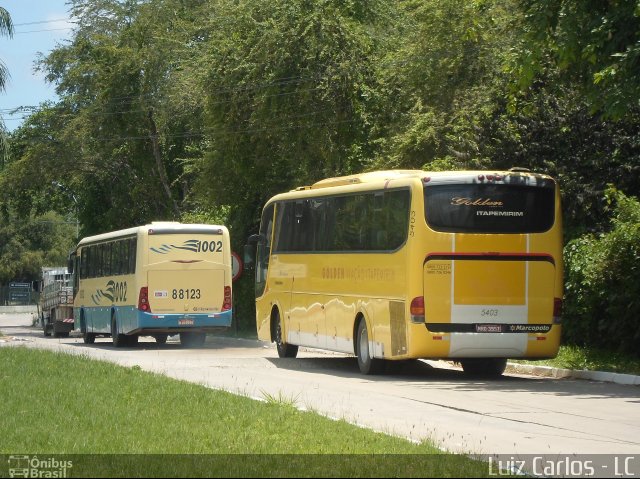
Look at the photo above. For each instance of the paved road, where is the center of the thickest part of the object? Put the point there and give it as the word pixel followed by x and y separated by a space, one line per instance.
pixel 515 415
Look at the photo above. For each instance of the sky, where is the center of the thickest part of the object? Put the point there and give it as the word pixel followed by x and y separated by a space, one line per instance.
pixel 39 25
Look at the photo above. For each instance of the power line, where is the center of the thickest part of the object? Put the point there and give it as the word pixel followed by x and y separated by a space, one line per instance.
pixel 44 30
pixel 55 20
pixel 41 22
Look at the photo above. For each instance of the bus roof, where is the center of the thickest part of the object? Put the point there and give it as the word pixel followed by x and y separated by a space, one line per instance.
pixel 161 226
pixel 367 177
pixel 440 176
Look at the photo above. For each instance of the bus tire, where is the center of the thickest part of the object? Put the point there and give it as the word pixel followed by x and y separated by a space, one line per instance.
pixel 119 340
pixel 284 350
pixel 161 338
pixel 192 340
pixel 484 367
pixel 366 363
pixel 87 338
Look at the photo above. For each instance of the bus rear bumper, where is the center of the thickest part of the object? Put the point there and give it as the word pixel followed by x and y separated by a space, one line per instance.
pixel 177 323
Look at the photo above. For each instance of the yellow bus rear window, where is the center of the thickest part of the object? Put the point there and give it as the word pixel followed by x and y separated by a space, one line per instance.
pixel 489 208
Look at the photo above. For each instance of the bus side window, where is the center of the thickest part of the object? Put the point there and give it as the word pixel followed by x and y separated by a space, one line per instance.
pixel 303 231
pixel 397 205
pixel 321 232
pixel 133 245
pixel 124 259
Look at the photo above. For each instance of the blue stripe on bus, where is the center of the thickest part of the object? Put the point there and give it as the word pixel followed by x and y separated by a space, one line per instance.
pixel 200 320
pixel 130 318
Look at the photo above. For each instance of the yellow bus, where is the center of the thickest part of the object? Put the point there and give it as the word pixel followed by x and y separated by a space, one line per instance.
pixel 157 280
pixel 407 264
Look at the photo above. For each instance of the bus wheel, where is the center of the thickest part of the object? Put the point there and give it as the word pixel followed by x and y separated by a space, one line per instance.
pixel 484 367
pixel 284 350
pixel 192 340
pixel 161 338
pixel 366 363
pixel 119 340
pixel 87 338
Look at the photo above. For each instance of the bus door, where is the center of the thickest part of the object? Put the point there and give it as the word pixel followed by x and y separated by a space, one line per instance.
pixel 289 276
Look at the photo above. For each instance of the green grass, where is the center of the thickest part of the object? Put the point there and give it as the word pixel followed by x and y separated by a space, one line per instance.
pixel 54 403
pixel 574 357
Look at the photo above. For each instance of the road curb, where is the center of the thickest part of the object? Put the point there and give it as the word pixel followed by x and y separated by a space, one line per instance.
pixel 558 373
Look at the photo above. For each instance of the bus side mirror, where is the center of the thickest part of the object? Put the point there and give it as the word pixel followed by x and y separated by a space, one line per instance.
pixel 250 249
pixel 70 263
pixel 254 239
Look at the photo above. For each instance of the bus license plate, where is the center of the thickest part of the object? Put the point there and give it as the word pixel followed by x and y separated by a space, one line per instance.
pixel 185 322
pixel 488 328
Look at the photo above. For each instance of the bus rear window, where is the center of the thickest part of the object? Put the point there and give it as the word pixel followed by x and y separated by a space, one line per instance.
pixel 490 208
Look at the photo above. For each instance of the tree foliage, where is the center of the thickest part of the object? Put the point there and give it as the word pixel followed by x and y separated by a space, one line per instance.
pixel 33 242
pixel 596 43
pixel 286 97
pixel 6 29
pixel 443 81
pixel 603 281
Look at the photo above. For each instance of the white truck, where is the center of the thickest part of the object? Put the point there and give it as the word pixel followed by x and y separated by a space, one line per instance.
pixel 56 302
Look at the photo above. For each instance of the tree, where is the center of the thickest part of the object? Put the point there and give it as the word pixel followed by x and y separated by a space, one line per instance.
pixel 442 79
pixel 594 43
pixel 32 242
pixel 287 92
pixel 6 29
pixel 124 122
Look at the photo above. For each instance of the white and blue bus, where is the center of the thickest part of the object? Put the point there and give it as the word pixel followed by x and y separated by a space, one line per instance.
pixel 155 280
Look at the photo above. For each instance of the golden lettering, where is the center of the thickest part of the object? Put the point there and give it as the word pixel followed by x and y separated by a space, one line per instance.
pixel 475 202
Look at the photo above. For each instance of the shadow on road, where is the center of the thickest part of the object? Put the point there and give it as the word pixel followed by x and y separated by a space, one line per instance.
pixel 424 375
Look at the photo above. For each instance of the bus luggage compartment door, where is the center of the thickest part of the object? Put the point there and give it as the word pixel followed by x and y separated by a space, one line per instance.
pixel 187 291
pixel 489 306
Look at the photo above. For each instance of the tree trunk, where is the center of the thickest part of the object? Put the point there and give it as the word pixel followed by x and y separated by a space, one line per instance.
pixel 162 173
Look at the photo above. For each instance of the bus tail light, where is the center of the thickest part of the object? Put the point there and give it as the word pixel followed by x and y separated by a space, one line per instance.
pixel 417 309
pixel 226 305
pixel 143 300
pixel 557 310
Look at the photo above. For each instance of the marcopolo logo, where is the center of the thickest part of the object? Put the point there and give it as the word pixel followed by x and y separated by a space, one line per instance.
pixel 33 466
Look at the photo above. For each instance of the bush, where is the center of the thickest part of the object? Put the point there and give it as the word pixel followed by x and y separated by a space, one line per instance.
pixel 602 284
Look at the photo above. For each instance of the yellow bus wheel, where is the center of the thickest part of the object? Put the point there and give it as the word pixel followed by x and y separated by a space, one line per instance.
pixel 366 363
pixel 284 350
